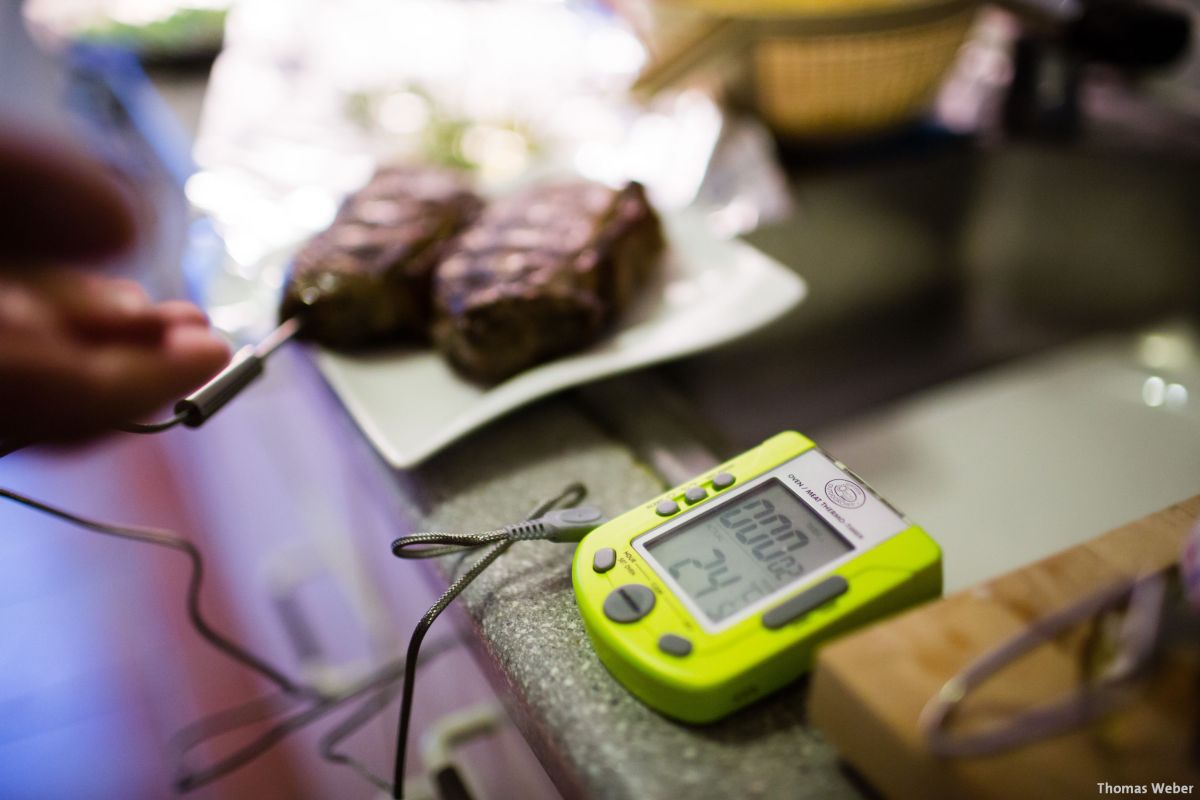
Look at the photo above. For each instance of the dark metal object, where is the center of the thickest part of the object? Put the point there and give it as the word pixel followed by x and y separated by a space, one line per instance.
pixel 1063 38
pixel 1131 34
pixel 247 364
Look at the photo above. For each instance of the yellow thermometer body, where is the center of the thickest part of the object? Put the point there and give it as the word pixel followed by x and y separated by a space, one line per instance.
pixel 716 593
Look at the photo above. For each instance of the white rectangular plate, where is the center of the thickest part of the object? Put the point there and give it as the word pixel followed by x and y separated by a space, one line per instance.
pixel 411 404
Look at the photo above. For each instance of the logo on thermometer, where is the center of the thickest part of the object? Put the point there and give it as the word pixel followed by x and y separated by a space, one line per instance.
pixel 844 493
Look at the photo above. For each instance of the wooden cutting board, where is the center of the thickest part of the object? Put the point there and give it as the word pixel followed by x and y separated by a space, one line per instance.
pixel 869 688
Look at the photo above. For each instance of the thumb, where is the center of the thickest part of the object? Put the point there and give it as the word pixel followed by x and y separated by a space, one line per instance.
pixel 57 204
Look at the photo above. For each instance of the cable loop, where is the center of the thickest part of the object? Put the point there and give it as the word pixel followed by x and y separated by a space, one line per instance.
pixel 500 540
pixel 432 545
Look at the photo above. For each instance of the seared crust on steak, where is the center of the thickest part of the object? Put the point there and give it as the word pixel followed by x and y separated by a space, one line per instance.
pixel 541 273
pixel 367 277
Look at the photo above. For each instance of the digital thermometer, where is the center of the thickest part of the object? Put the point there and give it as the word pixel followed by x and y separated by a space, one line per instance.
pixel 717 592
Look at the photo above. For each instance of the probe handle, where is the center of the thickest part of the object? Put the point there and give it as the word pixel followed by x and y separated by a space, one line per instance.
pixel 560 525
pixel 229 382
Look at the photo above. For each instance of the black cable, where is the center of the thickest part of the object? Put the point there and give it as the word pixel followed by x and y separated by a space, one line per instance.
pixel 374 705
pixel 452 542
pixel 188 781
pixel 227 720
pixel 414 648
pixel 370 708
pixel 260 708
pixel 380 685
pixel 435 545
pixel 151 427
pixel 194 410
pixel 195 579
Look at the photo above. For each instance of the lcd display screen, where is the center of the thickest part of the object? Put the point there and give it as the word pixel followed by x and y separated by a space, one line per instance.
pixel 746 549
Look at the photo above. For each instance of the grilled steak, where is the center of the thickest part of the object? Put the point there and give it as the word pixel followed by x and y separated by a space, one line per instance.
pixel 541 273
pixel 366 278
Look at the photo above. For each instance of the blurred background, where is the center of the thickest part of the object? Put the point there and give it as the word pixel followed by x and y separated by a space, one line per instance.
pixel 994 206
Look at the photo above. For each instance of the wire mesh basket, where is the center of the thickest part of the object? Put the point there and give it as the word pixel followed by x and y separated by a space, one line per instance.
pixel 833 68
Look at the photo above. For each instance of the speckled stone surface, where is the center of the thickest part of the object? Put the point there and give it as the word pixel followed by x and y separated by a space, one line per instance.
pixel 594 738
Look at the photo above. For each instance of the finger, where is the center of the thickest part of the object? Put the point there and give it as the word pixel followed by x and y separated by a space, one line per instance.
pixel 57 204
pixel 24 311
pixel 180 312
pixel 97 307
pixel 59 391
pixel 194 354
pixel 128 382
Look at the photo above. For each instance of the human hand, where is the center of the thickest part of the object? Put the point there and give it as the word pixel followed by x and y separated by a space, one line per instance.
pixel 80 352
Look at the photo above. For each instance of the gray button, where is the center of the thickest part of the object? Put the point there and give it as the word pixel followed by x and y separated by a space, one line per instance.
pixel 666 508
pixel 582 515
pixel 723 480
pixel 805 602
pixel 674 645
pixel 695 495
pixel 628 603
pixel 604 560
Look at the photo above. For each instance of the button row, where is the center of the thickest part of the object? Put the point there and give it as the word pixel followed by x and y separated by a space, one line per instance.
pixel 667 508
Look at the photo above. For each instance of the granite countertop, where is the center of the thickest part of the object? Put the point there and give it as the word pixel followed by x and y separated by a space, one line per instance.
pixel 595 739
